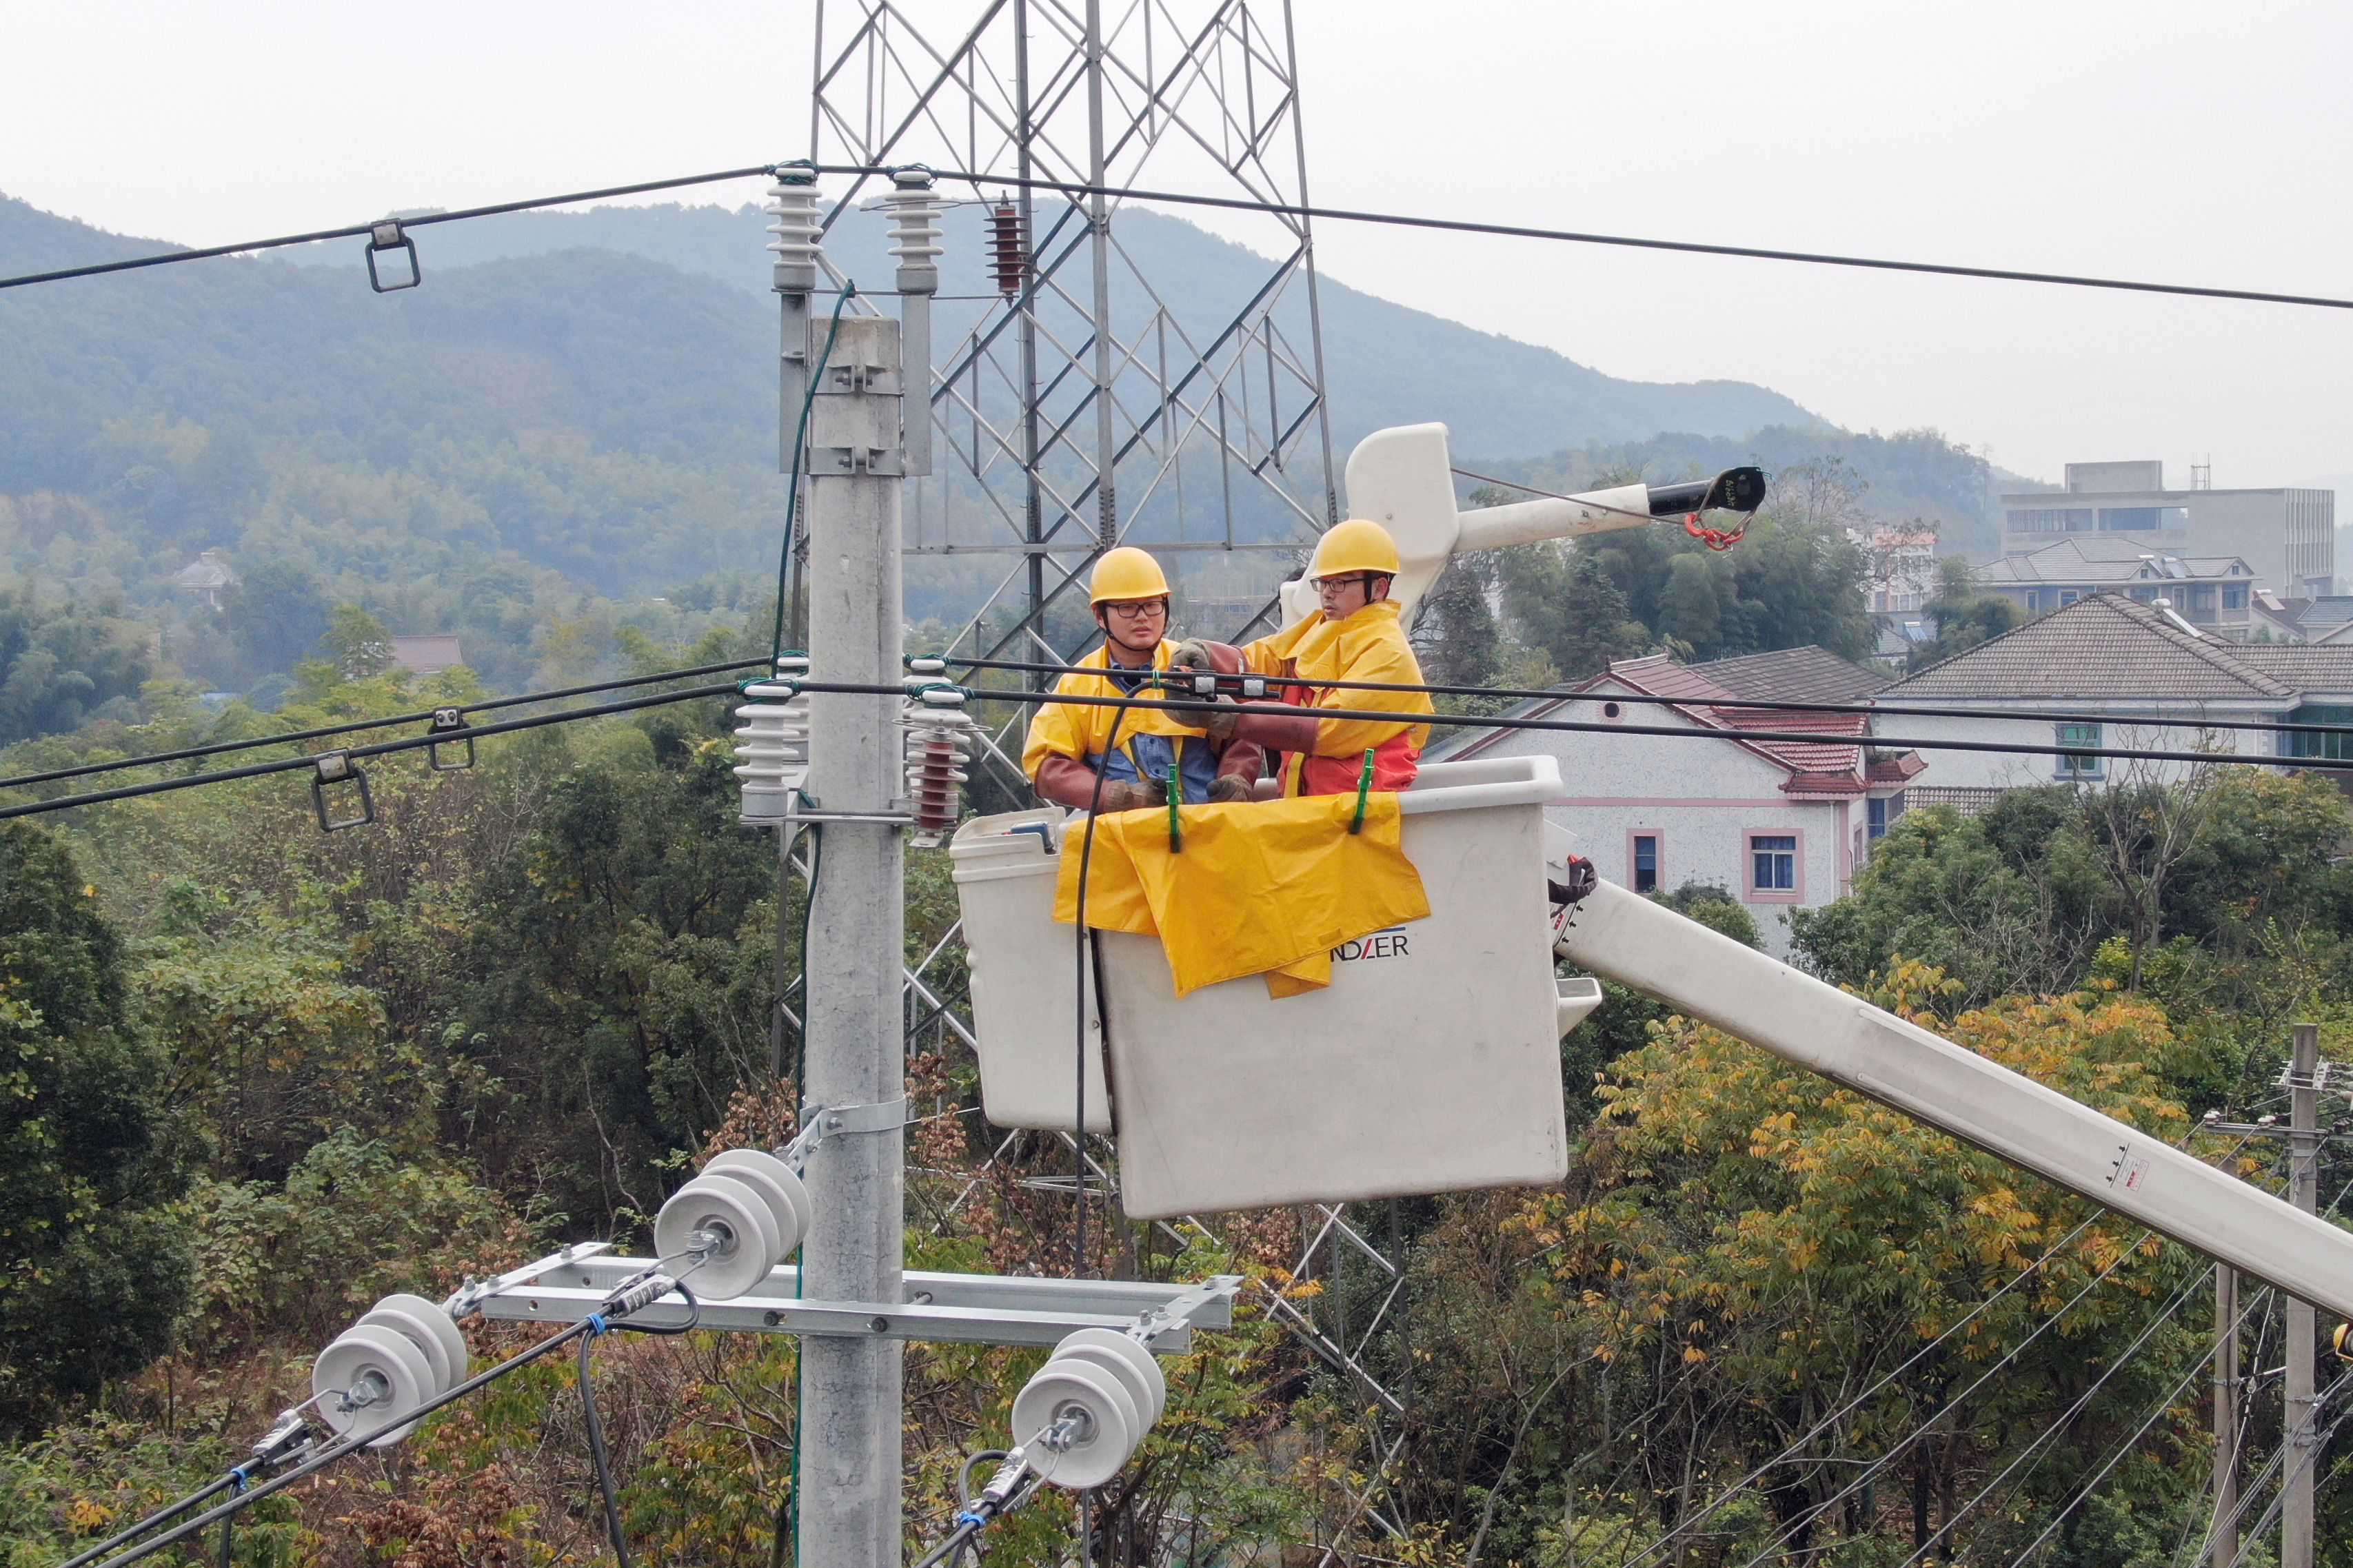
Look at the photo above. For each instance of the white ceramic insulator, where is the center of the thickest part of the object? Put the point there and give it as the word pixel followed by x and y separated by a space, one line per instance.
pixel 938 733
pixel 914 237
pixel 1113 1425
pixel 383 1356
pixel 771 754
pixel 795 208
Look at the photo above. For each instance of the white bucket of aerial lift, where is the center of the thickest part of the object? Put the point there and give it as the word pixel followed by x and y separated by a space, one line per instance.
pixel 1403 480
pixel 1430 1064
pixel 1024 973
pixel 1750 995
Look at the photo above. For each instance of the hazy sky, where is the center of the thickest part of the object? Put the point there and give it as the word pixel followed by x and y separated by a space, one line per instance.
pixel 2201 144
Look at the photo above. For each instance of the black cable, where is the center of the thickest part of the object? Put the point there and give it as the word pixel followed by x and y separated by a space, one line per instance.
pixel 800 450
pixel 596 1449
pixel 964 1470
pixel 1573 237
pixel 1079 915
pixel 354 231
pixel 382 748
pixel 228 1540
pixel 342 1448
pixel 90 1554
pixel 1231 203
pixel 290 737
pixel 1868 710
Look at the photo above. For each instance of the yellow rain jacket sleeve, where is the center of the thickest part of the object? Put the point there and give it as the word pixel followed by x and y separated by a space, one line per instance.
pixel 1260 888
pixel 1367 646
pixel 1082 731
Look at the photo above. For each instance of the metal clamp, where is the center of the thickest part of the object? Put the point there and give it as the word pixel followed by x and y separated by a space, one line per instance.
pixel 1171 1316
pixel 446 721
pixel 468 1298
pixel 386 237
pixel 837 462
pixel 820 1123
pixel 337 768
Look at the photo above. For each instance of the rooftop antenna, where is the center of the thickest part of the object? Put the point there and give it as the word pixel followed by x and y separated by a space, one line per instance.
pixel 2202 475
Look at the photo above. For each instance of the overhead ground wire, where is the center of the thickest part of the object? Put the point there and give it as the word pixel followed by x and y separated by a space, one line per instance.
pixel 1070 188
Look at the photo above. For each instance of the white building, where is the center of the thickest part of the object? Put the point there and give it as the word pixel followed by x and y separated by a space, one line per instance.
pixel 2213 592
pixel 2287 536
pixel 1778 825
pixel 2142 677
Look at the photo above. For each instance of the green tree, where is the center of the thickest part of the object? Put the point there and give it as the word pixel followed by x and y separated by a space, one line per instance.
pixel 1562 602
pixel 1964 615
pixel 1457 625
pixel 356 642
pixel 59 663
pixel 274 615
pixel 93 1269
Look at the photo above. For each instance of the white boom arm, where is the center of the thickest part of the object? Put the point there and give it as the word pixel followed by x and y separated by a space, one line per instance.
pixel 1765 1002
pixel 1403 480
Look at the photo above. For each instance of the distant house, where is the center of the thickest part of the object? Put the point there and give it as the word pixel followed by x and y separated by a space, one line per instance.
pixel 204 578
pixel 2213 592
pixel 425 654
pixel 2287 536
pixel 1778 824
pixel 2142 675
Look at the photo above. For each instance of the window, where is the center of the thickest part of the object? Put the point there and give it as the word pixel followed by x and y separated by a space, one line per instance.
pixel 2333 747
pixel 1773 863
pixel 1875 813
pixel 2070 596
pixel 1646 862
pixel 2071 766
pixel 2064 520
pixel 2201 598
pixel 2234 595
pixel 2142 519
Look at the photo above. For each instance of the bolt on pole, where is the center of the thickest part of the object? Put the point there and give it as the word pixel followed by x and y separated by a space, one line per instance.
pixel 849 1414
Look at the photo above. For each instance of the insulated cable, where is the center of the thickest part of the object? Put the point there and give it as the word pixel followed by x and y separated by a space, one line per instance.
pixel 254 743
pixel 382 748
pixel 1868 710
pixel 793 482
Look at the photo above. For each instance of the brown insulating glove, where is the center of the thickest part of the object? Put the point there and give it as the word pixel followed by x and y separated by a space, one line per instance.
pixel 1220 722
pixel 1228 787
pixel 1277 726
pixel 1066 780
pixel 1193 653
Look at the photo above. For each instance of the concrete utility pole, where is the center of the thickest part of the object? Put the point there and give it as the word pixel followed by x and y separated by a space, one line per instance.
pixel 850 1412
pixel 2303 1150
pixel 2226 1416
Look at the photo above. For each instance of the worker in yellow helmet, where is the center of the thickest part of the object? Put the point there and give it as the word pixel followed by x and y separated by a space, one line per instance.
pixel 1356 635
pixel 1133 750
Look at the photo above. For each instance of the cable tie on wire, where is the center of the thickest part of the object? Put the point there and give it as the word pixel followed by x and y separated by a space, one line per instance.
pixel 596 1324
pixel 967 1516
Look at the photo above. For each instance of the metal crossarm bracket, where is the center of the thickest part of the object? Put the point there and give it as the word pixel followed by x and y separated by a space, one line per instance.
pixel 820 1123
pixel 966 1309
pixel 469 1297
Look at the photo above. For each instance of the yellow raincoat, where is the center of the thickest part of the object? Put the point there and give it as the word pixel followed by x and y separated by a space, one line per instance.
pixel 1260 888
pixel 1367 646
pixel 1083 731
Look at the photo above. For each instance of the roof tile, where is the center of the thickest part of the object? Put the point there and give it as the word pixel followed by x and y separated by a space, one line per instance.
pixel 2102 647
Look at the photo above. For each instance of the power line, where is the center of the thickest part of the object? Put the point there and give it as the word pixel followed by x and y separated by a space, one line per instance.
pixel 218 747
pixel 356 231
pixel 1573 237
pixel 382 748
pixel 1769 705
pixel 1232 204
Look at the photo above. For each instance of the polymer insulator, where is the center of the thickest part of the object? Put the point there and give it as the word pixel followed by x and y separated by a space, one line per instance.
pixel 771 744
pixel 1009 249
pixel 792 203
pixel 937 732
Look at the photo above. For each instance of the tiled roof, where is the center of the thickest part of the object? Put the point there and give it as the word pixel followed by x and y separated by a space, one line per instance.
pixel 2093 559
pixel 2317 667
pixel 2103 647
pixel 1659 676
pixel 2327 612
pixel 1806 674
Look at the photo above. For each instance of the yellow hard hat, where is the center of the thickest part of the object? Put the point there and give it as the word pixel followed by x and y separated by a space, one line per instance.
pixel 1127 573
pixel 1355 546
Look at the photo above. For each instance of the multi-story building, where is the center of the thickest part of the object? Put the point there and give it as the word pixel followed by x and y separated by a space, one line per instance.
pixel 2213 592
pixel 2286 537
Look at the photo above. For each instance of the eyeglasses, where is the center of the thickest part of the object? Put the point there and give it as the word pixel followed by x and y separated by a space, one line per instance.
pixel 1138 611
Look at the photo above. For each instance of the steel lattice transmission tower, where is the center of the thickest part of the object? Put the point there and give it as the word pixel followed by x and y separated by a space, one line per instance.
pixel 1086 403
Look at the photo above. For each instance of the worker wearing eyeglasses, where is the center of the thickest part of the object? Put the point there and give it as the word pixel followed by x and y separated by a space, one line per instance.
pixel 1134 750
pixel 1354 636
